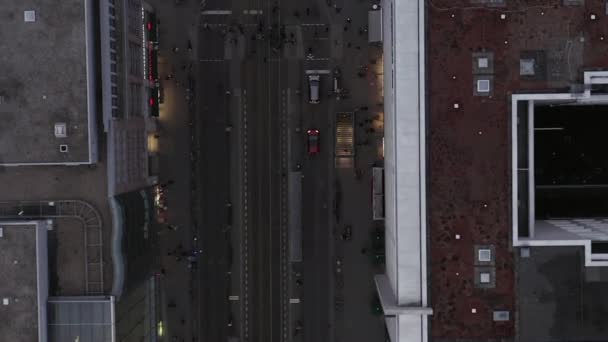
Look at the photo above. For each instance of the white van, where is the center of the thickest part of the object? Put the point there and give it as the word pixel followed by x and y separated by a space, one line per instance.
pixel 314 83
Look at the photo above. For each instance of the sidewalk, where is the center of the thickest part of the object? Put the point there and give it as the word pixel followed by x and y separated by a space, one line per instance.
pixel 176 154
pixel 354 297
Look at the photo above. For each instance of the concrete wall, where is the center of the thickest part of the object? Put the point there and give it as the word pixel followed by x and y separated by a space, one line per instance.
pixel 389 146
pixel 405 180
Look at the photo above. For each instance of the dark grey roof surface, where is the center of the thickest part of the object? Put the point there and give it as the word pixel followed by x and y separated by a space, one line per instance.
pixel 83 319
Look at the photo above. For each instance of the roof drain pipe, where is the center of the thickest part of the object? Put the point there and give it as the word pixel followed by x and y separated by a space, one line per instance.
pixel 118 260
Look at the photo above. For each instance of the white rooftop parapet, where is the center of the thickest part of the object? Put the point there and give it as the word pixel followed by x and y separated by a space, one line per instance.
pixel 403 289
pixel 578 232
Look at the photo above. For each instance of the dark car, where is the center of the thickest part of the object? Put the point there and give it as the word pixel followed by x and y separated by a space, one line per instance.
pixel 313 141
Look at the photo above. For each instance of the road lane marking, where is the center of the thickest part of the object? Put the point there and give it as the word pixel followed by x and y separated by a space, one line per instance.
pixel 316 72
pixel 245 237
pixel 253 12
pixel 216 12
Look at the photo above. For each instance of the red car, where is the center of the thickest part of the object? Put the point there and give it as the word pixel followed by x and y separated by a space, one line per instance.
pixel 313 141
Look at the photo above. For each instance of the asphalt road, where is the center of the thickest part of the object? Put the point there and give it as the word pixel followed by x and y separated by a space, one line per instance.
pixel 261 79
pixel 232 80
pixel 213 109
pixel 249 84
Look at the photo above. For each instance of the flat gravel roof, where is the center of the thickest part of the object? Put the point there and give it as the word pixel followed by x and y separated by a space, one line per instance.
pixel 18 288
pixel 44 81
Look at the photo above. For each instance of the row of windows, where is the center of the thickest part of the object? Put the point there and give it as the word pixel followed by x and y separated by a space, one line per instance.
pixel 134 14
pixel 135 59
pixel 135 99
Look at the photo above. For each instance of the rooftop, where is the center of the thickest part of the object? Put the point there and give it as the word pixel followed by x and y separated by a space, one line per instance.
pixel 45 82
pixel 541 46
pixel 18 288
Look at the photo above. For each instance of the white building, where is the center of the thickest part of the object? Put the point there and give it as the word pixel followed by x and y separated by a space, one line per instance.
pixel 403 289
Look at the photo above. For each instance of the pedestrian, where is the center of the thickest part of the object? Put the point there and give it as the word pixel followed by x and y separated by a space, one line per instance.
pixel 348 45
pixel 363 251
pixel 345 28
pixel 348 20
pixel 307 11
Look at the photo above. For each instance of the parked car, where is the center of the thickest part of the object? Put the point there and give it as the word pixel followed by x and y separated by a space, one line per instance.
pixel 314 83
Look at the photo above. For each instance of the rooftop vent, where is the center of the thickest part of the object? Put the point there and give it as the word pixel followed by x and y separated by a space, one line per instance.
pixel 63 148
pixel 482 62
pixel 484 277
pixel 484 255
pixel 483 86
pixel 526 67
pixel 501 316
pixel 61 130
pixel 29 16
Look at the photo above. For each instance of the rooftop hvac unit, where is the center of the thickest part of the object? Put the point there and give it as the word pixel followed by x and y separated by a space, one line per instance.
pixel 501 316
pixel 61 130
pixel 484 255
pixel 29 16
pixel 483 86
